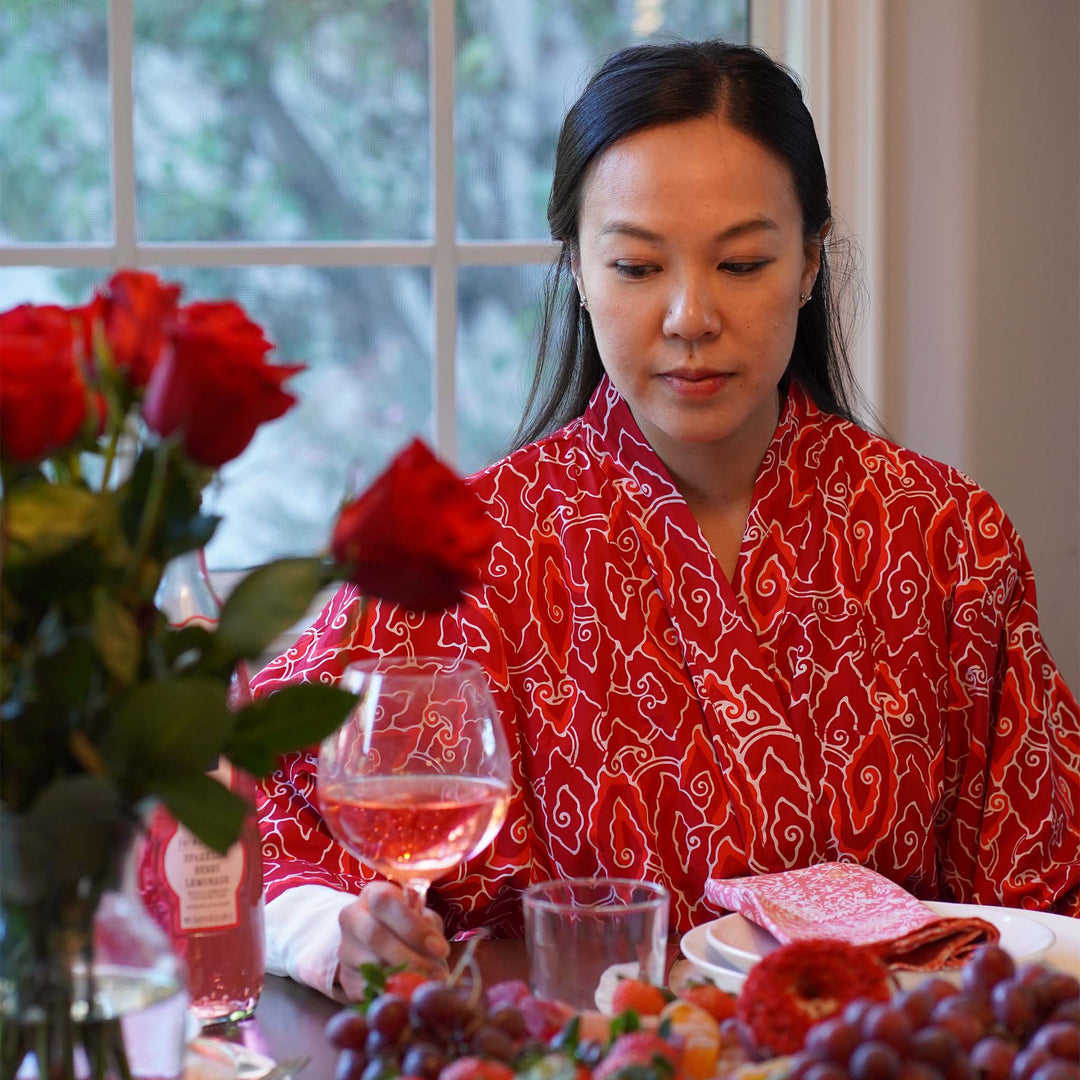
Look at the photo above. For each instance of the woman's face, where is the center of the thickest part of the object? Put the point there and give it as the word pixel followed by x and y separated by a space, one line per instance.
pixel 692 258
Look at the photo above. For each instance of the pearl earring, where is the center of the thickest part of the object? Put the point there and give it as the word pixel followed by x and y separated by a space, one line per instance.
pixel 804 296
pixel 581 302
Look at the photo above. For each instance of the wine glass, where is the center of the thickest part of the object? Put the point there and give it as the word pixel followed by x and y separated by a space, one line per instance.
pixel 417 779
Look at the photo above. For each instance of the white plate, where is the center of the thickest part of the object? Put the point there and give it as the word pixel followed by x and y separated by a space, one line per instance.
pixel 695 947
pixel 741 943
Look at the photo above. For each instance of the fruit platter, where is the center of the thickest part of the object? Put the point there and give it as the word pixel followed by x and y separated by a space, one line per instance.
pixel 812 1010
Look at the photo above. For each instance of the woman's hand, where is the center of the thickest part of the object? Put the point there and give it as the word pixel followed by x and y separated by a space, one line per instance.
pixel 380 927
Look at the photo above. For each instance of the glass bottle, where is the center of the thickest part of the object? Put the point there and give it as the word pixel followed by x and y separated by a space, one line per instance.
pixel 210 905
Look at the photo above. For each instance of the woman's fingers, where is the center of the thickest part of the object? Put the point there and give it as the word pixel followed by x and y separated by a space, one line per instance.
pixel 380 927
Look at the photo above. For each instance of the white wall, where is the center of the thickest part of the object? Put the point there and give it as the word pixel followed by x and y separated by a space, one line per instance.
pixel 982 251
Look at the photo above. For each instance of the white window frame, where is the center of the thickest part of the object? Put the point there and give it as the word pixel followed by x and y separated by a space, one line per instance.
pixel 835 45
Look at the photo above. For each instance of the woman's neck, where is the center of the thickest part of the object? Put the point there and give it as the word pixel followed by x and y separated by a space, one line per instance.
pixel 717 477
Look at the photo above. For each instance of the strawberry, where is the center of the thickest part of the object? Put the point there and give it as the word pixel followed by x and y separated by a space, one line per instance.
pixel 403 983
pixel 509 992
pixel 644 998
pixel 474 1068
pixel 544 1019
pixel 711 998
pixel 639 1048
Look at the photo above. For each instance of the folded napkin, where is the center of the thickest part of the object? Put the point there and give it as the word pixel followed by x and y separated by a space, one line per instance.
pixel 857 905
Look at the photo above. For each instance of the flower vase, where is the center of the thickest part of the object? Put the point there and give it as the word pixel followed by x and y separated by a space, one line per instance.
pixel 89 987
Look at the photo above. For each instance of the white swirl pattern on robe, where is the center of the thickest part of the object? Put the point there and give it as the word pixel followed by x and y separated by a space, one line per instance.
pixel 871 687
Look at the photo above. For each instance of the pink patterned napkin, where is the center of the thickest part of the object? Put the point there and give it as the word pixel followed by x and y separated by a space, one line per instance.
pixel 854 904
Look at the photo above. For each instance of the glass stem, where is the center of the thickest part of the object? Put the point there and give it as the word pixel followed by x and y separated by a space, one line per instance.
pixel 416 893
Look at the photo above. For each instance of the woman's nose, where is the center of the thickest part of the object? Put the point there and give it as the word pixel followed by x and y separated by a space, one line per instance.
pixel 693 312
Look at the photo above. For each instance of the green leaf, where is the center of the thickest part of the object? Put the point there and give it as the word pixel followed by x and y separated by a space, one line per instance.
pixel 293 718
pixel 267 602
pixel 46 519
pixel 70 832
pixel 171 726
pixel 625 1023
pixel 211 811
pixel 116 636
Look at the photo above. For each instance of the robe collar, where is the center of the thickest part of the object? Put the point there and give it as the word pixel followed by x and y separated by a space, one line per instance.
pixel 759 753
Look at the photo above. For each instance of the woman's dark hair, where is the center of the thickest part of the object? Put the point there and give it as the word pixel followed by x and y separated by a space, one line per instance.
pixel 645 86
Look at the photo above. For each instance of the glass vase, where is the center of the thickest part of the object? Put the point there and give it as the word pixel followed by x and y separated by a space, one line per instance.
pixel 89 987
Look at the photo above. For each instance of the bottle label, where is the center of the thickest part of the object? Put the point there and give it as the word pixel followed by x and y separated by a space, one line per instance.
pixel 206 883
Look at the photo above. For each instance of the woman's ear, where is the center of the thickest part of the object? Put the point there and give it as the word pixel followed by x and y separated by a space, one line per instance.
pixel 812 253
pixel 575 269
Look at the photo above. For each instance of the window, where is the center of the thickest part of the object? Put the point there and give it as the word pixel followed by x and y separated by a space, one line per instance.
pixel 368 177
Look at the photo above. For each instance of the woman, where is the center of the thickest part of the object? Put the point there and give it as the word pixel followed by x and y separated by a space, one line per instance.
pixel 730 631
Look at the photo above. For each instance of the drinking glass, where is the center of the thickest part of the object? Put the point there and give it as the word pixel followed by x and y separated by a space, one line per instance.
pixel 418 778
pixel 582 934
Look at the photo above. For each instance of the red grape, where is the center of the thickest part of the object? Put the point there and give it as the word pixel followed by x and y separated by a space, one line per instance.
pixel 1068 1010
pixel 917 1004
pixel 993 1057
pixel 964 1018
pixel 913 1069
pixel 424 1060
pixel 934 1045
pixel 833 1040
pixel 388 1014
pixel 379 1045
pixel 437 1007
pixel 346 1030
pixel 888 1024
pixel 350 1065
pixel 988 966
pixel 492 1042
pixel 939 988
pixel 1056 1069
pixel 510 1020
pixel 1014 1007
pixel 1059 986
pixel 824 1070
pixel 1061 1038
pixel 874 1061
pixel 855 1010
pixel 1027 1061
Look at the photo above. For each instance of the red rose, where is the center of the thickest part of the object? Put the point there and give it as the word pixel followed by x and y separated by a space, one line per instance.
pixel 138 312
pixel 417 537
pixel 214 386
pixel 42 392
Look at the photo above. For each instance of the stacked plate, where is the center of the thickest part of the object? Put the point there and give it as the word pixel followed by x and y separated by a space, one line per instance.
pixel 726 949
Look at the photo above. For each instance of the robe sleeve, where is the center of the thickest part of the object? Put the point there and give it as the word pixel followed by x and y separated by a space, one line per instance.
pixel 1009 827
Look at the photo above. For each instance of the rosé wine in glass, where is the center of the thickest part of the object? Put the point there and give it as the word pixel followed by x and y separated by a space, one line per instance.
pixel 418 777
pixel 415 826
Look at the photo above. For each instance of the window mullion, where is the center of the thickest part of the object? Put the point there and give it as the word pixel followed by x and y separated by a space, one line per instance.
pixel 444 263
pixel 121 95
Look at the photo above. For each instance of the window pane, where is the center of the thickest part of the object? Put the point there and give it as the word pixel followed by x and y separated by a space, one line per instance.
pixel 365 334
pixel 497 313
pixel 519 67
pixel 54 115
pixel 282 120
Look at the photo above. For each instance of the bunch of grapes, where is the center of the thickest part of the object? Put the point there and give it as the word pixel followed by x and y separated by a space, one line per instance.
pixel 999 1024
pixel 438 1024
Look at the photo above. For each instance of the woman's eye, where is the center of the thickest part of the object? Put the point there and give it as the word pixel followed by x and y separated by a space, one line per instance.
pixel 740 268
pixel 634 270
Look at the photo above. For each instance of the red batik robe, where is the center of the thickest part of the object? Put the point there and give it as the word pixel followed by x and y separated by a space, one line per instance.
pixel 871 686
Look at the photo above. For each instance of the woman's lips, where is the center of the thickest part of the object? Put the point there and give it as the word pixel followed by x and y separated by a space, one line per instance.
pixel 696 384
